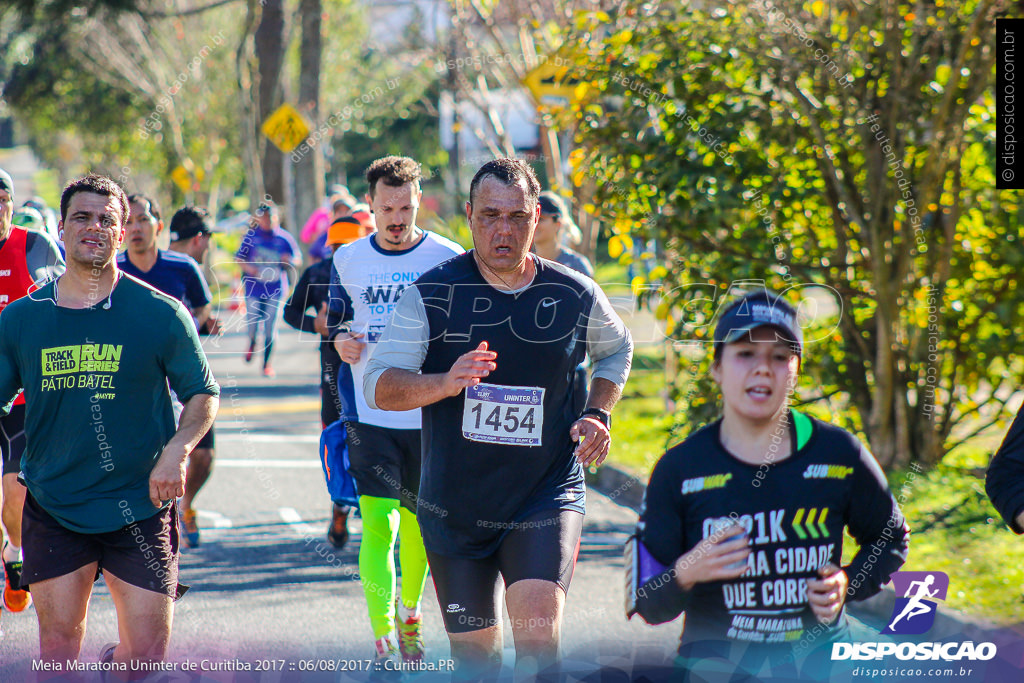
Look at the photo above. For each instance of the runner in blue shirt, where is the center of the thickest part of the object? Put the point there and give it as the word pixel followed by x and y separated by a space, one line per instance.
pixel 172 273
pixel 266 254
pixel 177 275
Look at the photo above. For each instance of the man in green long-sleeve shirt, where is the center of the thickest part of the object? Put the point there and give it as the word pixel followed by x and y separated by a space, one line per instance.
pixel 95 352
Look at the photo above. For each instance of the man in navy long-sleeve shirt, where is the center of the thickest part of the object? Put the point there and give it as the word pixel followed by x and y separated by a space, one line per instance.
pixel 1004 482
pixel 336 388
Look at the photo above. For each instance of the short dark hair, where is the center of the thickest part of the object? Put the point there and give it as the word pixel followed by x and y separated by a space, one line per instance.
pixel 508 171
pixel 97 184
pixel 190 221
pixel 138 198
pixel 394 172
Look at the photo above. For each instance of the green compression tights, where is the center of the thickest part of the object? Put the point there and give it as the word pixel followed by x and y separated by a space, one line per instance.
pixel 384 520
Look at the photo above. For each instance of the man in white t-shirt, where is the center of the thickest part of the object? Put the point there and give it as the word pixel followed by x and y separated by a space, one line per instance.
pixel 368 278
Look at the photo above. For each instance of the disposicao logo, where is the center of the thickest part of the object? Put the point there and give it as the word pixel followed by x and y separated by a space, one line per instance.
pixel 914 614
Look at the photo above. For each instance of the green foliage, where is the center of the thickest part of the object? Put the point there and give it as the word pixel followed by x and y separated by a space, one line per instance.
pixel 955 529
pixel 740 140
pixel 52 94
pixel 455 228
pixel 162 94
pixel 412 132
pixel 641 425
pixel 381 104
pixel 59 7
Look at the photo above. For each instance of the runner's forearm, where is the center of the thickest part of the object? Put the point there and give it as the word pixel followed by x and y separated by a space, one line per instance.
pixel 196 419
pixel 661 599
pixel 403 390
pixel 297 318
pixel 201 314
pixel 604 394
pixel 871 567
pixel 294 310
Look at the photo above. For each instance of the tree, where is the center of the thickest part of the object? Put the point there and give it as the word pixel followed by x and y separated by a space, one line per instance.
pixel 309 169
pixel 271 42
pixel 377 95
pixel 247 97
pixel 61 7
pixel 147 103
pixel 494 46
pixel 831 144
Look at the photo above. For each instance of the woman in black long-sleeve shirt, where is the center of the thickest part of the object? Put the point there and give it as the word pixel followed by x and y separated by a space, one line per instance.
pixel 746 517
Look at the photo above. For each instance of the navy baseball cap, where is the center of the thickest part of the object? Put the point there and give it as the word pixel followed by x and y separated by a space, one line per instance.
pixel 759 309
pixel 267 206
pixel 551 204
pixel 6 183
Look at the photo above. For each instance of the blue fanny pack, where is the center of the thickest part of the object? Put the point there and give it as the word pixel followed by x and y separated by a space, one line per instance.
pixel 334 460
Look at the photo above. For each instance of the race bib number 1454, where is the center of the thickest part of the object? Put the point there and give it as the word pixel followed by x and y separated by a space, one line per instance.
pixel 507 415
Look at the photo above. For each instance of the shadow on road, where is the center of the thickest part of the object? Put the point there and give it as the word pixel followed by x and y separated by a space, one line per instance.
pixel 268 564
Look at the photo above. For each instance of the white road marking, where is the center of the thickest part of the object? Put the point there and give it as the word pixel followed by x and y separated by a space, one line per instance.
pixel 294 519
pixel 268 438
pixel 604 539
pixel 272 464
pixel 218 520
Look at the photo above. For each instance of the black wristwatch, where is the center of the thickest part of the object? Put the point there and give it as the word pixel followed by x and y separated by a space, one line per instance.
pixel 603 416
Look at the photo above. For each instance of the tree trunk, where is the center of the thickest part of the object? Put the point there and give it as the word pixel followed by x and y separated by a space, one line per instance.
pixel 270 48
pixel 308 172
pixel 881 428
pixel 245 68
pixel 589 225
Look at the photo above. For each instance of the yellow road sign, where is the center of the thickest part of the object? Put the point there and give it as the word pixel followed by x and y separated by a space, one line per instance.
pixel 286 128
pixel 181 178
pixel 552 85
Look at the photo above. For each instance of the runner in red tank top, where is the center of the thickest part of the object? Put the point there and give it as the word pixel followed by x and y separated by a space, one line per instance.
pixel 27 260
pixel 15 279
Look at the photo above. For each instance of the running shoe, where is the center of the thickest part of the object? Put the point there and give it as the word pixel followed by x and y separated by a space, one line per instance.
pixel 250 351
pixel 189 528
pixel 107 653
pixel 15 599
pixel 410 639
pixel 107 657
pixel 337 531
pixel 387 666
pixel 268 371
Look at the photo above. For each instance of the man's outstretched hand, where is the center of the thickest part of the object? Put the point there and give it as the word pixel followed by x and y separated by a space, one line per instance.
pixel 469 369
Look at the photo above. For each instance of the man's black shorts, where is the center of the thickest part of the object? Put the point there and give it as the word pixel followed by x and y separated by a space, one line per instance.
pixel 385 462
pixel 12 439
pixel 144 554
pixel 207 441
pixel 330 399
pixel 543 546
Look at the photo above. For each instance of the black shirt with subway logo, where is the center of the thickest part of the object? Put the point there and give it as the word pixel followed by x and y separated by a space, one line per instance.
pixel 794 508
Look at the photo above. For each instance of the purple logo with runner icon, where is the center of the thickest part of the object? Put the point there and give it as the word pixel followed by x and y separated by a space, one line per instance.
pixel 916 606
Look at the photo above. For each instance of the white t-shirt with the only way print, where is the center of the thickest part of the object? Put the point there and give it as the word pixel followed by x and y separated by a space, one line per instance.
pixel 367 282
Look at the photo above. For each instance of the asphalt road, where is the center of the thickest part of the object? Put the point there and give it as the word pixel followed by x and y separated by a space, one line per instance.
pixel 269 591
